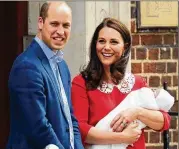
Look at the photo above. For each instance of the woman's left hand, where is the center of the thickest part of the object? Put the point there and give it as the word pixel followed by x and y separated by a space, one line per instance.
pixel 123 119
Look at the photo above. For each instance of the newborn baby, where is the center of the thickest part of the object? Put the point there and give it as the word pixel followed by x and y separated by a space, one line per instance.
pixel 144 97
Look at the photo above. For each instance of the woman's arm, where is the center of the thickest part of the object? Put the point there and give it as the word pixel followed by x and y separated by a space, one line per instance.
pixel 157 120
pixel 129 136
pixel 89 133
pixel 153 119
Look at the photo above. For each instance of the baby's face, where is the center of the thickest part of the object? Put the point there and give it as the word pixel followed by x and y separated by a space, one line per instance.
pixel 156 92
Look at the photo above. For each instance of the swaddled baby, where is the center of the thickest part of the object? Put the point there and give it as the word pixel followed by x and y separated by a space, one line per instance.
pixel 144 97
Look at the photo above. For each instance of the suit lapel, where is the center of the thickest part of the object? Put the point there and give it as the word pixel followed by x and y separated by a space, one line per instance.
pixel 45 63
pixel 49 71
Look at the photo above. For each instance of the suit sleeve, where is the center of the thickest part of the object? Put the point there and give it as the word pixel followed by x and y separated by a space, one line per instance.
pixel 81 105
pixel 166 116
pixel 29 102
pixel 77 136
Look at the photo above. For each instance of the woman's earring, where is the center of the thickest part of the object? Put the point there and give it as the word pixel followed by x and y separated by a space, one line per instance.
pixel 123 55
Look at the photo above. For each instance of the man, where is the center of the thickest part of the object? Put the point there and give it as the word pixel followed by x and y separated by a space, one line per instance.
pixel 39 84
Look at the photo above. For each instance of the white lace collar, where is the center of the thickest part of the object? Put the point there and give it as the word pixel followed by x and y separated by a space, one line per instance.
pixel 125 86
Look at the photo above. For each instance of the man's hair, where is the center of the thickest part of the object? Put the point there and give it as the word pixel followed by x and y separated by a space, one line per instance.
pixel 45 7
pixel 44 10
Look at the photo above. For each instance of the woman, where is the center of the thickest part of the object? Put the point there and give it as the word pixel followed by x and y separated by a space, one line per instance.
pixel 103 84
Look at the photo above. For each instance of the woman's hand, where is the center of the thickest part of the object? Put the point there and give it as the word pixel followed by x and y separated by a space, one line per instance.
pixel 123 119
pixel 131 133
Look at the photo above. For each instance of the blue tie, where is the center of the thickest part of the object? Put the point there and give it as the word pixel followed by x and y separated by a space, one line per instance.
pixel 56 59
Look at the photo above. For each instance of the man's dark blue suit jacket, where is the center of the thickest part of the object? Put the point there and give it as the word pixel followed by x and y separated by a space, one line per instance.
pixel 36 114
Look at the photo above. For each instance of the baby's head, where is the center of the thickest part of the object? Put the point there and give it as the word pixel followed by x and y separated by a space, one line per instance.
pixel 164 99
pixel 156 92
pixel 158 99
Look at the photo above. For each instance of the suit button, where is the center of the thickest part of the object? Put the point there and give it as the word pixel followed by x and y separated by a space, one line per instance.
pixel 67 129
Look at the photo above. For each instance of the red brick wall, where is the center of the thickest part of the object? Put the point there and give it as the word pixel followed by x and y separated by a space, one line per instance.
pixel 155 56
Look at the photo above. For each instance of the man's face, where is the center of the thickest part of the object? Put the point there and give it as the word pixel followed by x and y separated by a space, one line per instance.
pixel 55 29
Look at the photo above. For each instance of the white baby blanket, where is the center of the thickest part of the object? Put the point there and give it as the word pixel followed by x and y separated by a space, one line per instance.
pixel 143 97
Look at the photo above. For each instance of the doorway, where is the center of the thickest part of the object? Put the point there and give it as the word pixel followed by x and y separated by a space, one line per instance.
pixel 13 27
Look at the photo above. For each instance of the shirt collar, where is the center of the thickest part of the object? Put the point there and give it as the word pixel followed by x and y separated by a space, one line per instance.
pixel 48 52
pixel 124 86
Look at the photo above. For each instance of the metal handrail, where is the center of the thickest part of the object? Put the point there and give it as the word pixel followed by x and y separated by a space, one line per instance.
pixel 166 138
pixel 173 113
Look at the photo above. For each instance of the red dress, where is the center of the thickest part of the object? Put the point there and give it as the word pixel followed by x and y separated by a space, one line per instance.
pixel 91 106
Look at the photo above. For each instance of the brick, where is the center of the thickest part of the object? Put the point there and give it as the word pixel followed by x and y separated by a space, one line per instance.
pixel 151 39
pixel 153 54
pixel 133 26
pixel 173 147
pixel 169 39
pixel 136 68
pixel 154 147
pixel 154 81
pixel 149 68
pixel 146 137
pixel 171 67
pixel 175 53
pixel 135 40
pixel 173 123
pixel 154 137
pixel 160 68
pixel 170 134
pixel 175 107
pixel 175 136
pixel 141 53
pixel 165 53
pixel 154 67
pixel 175 80
pixel 173 93
pixel 133 53
pixel 167 79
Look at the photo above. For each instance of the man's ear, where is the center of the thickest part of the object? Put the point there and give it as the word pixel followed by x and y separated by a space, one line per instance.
pixel 40 23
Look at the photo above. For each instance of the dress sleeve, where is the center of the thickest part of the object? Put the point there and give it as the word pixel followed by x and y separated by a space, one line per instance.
pixel 140 81
pixel 80 104
pixel 167 117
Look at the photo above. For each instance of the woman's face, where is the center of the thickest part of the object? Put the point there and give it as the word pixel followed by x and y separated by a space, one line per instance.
pixel 109 46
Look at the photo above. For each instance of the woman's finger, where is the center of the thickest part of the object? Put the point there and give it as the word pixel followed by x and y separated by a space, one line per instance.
pixel 121 127
pixel 117 124
pixel 116 118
